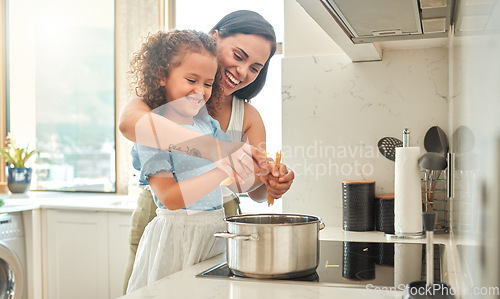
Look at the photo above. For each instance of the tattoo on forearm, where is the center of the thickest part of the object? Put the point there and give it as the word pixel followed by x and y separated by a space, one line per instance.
pixel 185 150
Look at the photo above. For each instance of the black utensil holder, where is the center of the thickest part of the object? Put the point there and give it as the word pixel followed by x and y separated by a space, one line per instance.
pixel 358 200
pixel 435 199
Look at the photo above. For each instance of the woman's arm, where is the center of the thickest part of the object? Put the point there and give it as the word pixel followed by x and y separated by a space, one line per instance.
pixel 139 124
pixel 132 113
pixel 254 130
pixel 278 181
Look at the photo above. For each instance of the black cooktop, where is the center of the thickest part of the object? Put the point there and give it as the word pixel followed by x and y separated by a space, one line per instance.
pixel 361 263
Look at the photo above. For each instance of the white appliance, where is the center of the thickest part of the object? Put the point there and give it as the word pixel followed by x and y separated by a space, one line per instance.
pixel 13 283
pixel 363 29
pixel 366 21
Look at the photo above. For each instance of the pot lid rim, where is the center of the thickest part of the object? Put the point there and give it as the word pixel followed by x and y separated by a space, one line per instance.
pixel 233 219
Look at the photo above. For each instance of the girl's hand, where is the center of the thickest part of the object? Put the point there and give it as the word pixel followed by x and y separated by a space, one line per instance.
pixel 241 165
pixel 278 180
pixel 237 165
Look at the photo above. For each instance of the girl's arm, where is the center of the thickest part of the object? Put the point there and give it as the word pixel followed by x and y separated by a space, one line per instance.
pixel 176 195
pixel 139 124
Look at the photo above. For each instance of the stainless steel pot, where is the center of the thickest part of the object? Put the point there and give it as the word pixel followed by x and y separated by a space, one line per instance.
pixel 272 245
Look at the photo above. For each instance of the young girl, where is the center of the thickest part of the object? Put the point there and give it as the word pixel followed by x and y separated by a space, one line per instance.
pixel 175 73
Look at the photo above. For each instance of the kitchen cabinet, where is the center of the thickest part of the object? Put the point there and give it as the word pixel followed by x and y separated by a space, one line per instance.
pixel 85 253
pixel 118 228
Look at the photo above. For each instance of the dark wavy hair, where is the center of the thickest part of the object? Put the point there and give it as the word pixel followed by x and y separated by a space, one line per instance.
pixel 159 54
pixel 248 22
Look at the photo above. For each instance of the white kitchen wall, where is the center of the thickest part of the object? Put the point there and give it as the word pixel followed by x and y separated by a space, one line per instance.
pixel 335 112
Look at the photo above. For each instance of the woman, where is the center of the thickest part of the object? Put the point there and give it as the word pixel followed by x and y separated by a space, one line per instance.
pixel 245 44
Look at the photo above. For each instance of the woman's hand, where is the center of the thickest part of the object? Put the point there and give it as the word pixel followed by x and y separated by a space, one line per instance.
pixel 277 180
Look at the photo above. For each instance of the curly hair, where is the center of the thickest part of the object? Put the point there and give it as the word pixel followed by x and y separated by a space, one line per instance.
pixel 159 54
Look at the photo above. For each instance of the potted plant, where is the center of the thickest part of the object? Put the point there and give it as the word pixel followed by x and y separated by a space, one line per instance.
pixel 18 175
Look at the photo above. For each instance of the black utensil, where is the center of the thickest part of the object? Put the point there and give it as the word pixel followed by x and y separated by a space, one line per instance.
pixel 387 147
pixel 436 141
pixel 432 161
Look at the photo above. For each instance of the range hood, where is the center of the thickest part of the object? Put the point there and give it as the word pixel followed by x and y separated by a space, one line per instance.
pixel 358 25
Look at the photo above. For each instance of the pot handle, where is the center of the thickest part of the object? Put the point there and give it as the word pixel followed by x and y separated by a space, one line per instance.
pixel 227 235
pixel 321 225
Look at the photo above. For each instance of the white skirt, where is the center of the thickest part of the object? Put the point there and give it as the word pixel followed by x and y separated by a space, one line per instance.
pixel 174 240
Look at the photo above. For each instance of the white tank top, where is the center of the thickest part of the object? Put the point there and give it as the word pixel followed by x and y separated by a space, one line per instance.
pixel 235 127
pixel 235 130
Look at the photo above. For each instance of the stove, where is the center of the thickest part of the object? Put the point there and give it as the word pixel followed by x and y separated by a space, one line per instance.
pixel 359 264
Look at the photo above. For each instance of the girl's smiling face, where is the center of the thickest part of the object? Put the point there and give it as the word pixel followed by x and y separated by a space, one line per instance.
pixel 241 58
pixel 189 86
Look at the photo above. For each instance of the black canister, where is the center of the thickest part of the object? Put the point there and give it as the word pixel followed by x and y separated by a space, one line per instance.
pixel 384 213
pixel 358 198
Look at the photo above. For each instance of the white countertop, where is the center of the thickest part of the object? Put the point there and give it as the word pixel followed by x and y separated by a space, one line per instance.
pixel 68 200
pixel 184 284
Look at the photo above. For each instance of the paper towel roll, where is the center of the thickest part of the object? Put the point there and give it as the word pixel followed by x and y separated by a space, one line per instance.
pixel 407 192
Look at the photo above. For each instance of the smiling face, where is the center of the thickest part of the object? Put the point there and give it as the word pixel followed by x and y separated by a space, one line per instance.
pixel 189 86
pixel 241 58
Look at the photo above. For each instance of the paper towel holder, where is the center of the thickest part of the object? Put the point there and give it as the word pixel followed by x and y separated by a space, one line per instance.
pixel 406 137
pixel 412 235
pixel 428 288
pixel 405 236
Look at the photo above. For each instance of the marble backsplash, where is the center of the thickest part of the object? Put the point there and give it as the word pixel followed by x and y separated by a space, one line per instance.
pixel 335 111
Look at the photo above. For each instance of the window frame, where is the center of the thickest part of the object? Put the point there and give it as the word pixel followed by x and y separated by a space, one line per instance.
pixel 5 124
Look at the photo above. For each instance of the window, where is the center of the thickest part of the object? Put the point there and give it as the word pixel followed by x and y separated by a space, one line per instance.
pixel 60 90
pixel 268 101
